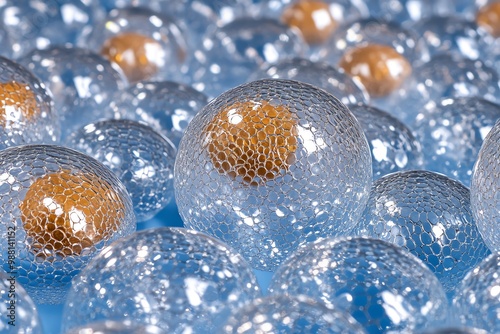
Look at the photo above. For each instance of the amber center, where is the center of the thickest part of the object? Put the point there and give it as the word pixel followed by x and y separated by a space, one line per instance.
pixel 380 68
pixel 488 17
pixel 139 56
pixel 312 18
pixel 254 140
pixel 18 103
pixel 64 213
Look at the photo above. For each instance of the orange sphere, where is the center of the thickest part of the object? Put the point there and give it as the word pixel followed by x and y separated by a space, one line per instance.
pixel 380 68
pixel 18 103
pixel 64 213
pixel 253 140
pixel 312 18
pixel 488 17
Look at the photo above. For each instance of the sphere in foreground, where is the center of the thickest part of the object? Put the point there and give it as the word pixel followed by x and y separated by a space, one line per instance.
pixel 64 207
pixel 385 288
pixel 270 165
pixel 178 280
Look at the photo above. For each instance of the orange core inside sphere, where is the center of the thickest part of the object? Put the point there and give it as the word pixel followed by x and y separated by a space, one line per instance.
pixel 488 17
pixel 64 213
pixel 380 68
pixel 254 140
pixel 312 18
pixel 138 56
pixel 18 103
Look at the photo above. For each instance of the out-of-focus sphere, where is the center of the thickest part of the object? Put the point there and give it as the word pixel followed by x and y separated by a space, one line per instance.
pixel 319 74
pixel 27 112
pixel 232 53
pixel 115 327
pixel 270 165
pixel 166 106
pixel 19 313
pixel 393 146
pixel 285 314
pixel 429 215
pixel 455 330
pixel 485 189
pixel 488 18
pixel 65 207
pixel 82 83
pixel 452 133
pixel 181 281
pixel 384 287
pixel 139 156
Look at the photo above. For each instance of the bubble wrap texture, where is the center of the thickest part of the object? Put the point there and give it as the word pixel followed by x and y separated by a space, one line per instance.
pixel 270 165
pixel 429 215
pixel 115 327
pixel 284 314
pixel 179 280
pixel 27 113
pixel 64 207
pixel 385 288
pixel 485 189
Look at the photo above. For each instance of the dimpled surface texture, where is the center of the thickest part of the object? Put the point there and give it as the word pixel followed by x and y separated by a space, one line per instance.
pixel 140 157
pixel 27 113
pixel 115 327
pixel 385 288
pixel 485 189
pixel 284 314
pixel 478 303
pixel 317 185
pixel 81 82
pixel 44 265
pixel 179 280
pixel 22 313
pixel 393 146
pixel 429 215
pixel 452 133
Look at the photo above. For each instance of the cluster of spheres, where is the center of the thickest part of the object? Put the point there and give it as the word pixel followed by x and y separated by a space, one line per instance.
pixel 249 166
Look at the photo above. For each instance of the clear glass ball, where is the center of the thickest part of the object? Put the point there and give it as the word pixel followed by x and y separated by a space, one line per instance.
pixel 63 207
pixel 115 327
pixel 429 215
pixel 270 165
pixel 179 280
pixel 139 156
pixel 384 287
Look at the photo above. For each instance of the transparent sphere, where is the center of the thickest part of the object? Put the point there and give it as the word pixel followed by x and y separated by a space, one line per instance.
pixel 38 24
pixel 63 207
pixel 19 313
pixel 27 112
pixel 166 106
pixel 393 146
pixel 270 165
pixel 230 54
pixel 115 327
pixel 286 314
pixel 485 188
pixel 429 215
pixel 452 133
pixel 319 74
pixel 81 82
pixel 478 302
pixel 455 330
pixel 179 280
pixel 384 287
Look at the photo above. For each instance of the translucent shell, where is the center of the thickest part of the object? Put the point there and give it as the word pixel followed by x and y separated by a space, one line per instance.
pixel 18 102
pixel 488 17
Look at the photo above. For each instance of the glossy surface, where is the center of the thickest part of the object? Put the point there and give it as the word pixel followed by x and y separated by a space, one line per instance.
pixel 488 18
pixel 115 327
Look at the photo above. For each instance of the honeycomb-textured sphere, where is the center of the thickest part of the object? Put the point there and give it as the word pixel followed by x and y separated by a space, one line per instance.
pixel 429 215
pixel 270 165
pixel 166 106
pixel 488 18
pixel 179 280
pixel 485 189
pixel 452 133
pixel 19 313
pixel 393 146
pixel 285 314
pixel 319 74
pixel 64 207
pixel 479 300
pixel 81 82
pixel 27 113
pixel 115 327
pixel 139 156
pixel 384 287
